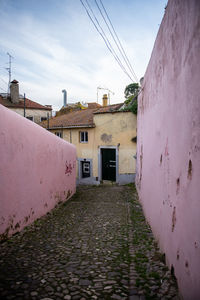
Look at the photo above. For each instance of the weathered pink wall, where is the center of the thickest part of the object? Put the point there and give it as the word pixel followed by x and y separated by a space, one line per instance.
pixel 168 164
pixel 37 170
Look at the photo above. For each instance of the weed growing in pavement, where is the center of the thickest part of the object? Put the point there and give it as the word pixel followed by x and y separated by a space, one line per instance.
pixel 153 275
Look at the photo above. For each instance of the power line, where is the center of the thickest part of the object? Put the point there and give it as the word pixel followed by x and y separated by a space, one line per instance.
pixel 106 40
pixel 103 35
pixel 3 90
pixel 118 43
pixel 3 81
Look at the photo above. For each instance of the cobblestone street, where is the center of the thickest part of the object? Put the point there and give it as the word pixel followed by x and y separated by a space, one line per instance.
pixel 95 246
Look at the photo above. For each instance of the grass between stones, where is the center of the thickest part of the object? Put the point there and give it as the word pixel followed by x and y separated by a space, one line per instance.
pixel 154 279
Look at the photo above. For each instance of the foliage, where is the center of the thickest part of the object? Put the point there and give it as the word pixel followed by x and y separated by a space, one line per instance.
pixel 130 93
pixel 131 90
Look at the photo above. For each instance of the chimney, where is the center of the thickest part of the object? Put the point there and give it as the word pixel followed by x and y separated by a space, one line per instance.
pixel 105 100
pixel 65 98
pixel 14 91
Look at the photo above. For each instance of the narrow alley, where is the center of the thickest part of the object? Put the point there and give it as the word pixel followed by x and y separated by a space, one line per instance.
pixel 97 245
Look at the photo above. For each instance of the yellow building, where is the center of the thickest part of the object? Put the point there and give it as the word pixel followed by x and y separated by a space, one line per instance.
pixel 28 108
pixel 105 142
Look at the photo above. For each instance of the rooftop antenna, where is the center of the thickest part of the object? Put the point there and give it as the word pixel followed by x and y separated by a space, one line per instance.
pixel 9 70
pixel 109 91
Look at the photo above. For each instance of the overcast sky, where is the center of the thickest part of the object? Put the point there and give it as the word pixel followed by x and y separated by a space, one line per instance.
pixel 55 46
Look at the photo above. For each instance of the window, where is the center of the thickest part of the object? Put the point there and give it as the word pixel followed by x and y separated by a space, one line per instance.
pixel 43 119
pixel 30 118
pixel 83 137
pixel 59 134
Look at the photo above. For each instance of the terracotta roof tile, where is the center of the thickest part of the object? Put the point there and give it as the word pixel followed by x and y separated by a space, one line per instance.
pixel 29 104
pixel 94 105
pixel 81 118
pixel 109 108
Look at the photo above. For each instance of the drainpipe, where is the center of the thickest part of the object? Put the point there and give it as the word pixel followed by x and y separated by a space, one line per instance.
pixel 48 121
pixel 24 106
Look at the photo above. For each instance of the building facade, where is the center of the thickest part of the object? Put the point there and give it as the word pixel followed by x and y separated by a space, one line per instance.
pixel 104 139
pixel 25 107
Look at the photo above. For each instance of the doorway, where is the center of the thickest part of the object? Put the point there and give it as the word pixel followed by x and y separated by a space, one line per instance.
pixel 108 161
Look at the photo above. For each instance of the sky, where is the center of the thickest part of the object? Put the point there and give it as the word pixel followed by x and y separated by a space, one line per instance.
pixel 55 46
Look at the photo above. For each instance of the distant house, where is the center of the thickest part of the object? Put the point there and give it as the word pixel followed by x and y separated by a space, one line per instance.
pixel 104 138
pixel 33 110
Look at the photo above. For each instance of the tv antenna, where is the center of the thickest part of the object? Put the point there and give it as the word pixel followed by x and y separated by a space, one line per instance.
pixel 9 69
pixel 109 91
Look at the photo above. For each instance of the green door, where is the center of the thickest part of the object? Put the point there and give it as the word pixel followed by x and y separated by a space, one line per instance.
pixel 108 164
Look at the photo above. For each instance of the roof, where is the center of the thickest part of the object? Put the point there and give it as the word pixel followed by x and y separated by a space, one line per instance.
pixel 80 118
pixel 29 104
pixel 93 105
pixel 109 109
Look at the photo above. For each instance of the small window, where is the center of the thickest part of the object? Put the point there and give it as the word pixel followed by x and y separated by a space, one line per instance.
pixel 30 118
pixel 83 137
pixel 59 134
pixel 43 119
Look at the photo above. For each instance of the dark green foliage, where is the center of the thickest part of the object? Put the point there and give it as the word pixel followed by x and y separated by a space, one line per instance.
pixel 131 90
pixel 134 107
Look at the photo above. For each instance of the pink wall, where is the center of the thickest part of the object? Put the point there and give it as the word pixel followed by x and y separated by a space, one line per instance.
pixel 37 170
pixel 168 152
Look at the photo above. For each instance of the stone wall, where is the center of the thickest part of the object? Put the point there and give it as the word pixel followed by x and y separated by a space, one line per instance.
pixel 37 171
pixel 168 149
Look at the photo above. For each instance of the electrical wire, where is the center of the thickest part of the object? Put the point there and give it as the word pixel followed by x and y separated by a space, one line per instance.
pixel 118 43
pixel 106 40
pixel 3 81
pixel 3 90
pixel 103 35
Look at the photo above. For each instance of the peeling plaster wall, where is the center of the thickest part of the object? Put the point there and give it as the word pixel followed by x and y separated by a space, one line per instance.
pixel 37 171
pixel 168 149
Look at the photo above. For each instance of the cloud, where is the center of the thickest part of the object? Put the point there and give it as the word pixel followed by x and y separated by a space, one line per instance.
pixel 58 48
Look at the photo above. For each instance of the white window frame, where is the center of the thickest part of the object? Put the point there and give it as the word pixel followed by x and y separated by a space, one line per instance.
pixel 59 134
pixel 83 134
pixel 28 117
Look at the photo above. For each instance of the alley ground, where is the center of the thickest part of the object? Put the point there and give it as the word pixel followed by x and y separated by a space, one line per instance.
pixel 95 246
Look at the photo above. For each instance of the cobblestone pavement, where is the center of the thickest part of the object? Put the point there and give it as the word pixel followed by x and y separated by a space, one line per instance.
pixel 90 247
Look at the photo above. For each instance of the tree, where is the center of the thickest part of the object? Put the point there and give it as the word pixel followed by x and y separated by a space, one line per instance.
pixel 130 93
pixel 131 90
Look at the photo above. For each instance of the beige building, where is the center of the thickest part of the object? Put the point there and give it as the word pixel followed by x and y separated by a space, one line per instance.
pixel 28 108
pixel 105 139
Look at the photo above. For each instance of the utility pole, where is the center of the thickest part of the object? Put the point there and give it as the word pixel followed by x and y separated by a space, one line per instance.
pixel 9 70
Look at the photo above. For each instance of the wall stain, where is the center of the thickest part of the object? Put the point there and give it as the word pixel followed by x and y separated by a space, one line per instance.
pixel 68 168
pixel 106 138
pixel 167 149
pixel 190 169
pixel 141 159
pixel 177 185
pixel 161 160
pixel 17 225
pixel 173 218
pixel 68 194
pixel 186 264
